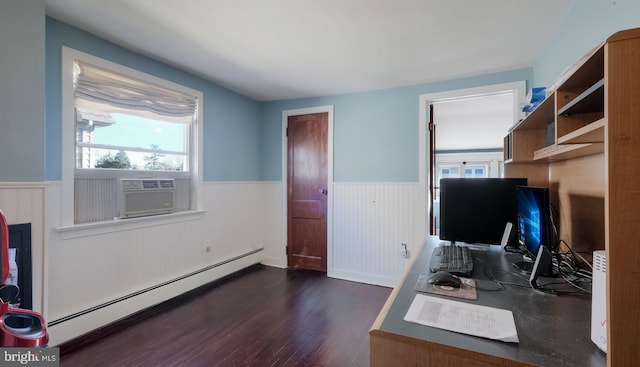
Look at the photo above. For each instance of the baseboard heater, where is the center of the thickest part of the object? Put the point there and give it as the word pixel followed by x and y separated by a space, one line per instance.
pixel 137 293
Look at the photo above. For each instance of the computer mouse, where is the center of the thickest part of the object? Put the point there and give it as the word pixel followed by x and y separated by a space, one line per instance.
pixel 443 278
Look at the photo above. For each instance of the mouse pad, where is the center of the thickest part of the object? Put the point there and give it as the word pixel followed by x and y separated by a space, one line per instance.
pixel 466 291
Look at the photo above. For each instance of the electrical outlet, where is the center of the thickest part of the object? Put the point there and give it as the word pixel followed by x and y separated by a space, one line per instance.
pixel 403 250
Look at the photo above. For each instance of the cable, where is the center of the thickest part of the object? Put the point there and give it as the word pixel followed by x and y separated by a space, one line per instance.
pixel 575 253
pixel 489 276
pixel 570 269
pixel 488 272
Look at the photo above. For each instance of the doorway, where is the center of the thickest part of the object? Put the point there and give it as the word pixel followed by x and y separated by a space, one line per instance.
pixel 307 174
pixel 460 156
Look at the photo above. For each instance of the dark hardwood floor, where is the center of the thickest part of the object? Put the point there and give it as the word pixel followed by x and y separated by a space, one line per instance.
pixel 266 317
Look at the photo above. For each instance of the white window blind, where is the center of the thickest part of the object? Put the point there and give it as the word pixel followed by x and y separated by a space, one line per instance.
pixel 94 85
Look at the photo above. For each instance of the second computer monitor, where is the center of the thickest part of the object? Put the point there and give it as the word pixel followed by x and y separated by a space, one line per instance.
pixel 534 219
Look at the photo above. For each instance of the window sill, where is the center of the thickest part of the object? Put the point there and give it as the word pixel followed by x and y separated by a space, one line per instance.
pixel 117 225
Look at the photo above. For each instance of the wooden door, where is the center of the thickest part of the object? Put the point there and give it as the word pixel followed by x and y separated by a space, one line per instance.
pixel 307 191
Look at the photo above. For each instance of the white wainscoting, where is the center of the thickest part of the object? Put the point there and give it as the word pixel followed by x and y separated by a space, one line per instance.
pixel 274 224
pixel 97 279
pixel 24 202
pixel 370 222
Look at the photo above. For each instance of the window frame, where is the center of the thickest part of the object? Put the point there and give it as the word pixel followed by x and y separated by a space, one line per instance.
pixel 68 127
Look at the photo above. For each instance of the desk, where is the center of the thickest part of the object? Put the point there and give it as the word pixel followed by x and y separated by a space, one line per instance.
pixel 553 330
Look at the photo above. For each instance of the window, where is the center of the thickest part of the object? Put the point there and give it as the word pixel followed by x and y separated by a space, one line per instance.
pixel 448 171
pixel 122 123
pixel 475 171
pixel 126 141
pixel 462 169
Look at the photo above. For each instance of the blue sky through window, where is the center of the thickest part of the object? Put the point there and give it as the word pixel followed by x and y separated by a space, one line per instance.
pixel 139 132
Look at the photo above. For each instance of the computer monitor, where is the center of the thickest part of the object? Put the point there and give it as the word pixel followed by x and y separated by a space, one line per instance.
pixel 534 223
pixel 476 210
pixel 534 219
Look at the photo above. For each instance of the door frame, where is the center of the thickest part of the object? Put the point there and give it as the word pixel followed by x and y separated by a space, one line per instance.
pixel 283 194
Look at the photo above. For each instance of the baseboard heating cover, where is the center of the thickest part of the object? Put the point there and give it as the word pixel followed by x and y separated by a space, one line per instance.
pixel 142 291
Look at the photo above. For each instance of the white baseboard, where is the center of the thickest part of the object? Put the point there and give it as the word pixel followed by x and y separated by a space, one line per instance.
pixel 275 262
pixel 363 278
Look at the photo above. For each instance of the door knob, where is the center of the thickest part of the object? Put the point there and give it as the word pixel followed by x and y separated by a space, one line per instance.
pixel 323 191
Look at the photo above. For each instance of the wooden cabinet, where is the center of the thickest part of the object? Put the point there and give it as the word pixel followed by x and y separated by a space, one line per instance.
pixel 592 171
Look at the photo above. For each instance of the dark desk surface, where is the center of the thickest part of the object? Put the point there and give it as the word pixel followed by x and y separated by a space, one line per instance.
pixel 554 330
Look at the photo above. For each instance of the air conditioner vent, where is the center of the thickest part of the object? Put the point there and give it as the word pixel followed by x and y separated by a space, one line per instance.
pixel 142 197
pixel 150 184
pixel 167 184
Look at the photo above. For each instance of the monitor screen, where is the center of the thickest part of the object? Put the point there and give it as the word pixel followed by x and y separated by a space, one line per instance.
pixel 476 210
pixel 534 219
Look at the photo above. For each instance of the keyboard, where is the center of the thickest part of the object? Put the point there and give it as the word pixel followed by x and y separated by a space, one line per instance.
pixel 454 259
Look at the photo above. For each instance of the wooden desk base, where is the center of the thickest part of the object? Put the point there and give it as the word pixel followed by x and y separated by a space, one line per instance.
pixel 388 349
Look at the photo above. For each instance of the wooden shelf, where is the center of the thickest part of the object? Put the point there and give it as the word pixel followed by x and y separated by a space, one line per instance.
pixel 592 133
pixel 591 100
pixel 539 118
pixel 581 75
pixel 558 152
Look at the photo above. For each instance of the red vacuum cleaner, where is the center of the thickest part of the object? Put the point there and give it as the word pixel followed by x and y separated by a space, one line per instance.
pixel 18 327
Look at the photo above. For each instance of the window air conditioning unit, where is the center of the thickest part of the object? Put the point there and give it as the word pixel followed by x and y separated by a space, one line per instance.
pixel 142 197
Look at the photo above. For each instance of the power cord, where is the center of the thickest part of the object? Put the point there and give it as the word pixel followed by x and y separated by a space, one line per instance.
pixel 570 266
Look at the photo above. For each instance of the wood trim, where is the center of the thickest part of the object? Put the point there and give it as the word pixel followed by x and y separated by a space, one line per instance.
pixel 624 35
pixel 622 198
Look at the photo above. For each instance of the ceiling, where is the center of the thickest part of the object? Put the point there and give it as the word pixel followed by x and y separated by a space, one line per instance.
pixel 473 123
pixel 284 49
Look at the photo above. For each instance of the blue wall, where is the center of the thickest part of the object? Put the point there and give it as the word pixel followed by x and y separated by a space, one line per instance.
pixel 22 98
pixel 375 133
pixel 587 24
pixel 230 127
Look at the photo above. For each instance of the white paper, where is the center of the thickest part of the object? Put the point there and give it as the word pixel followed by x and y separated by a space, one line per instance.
pixel 465 318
